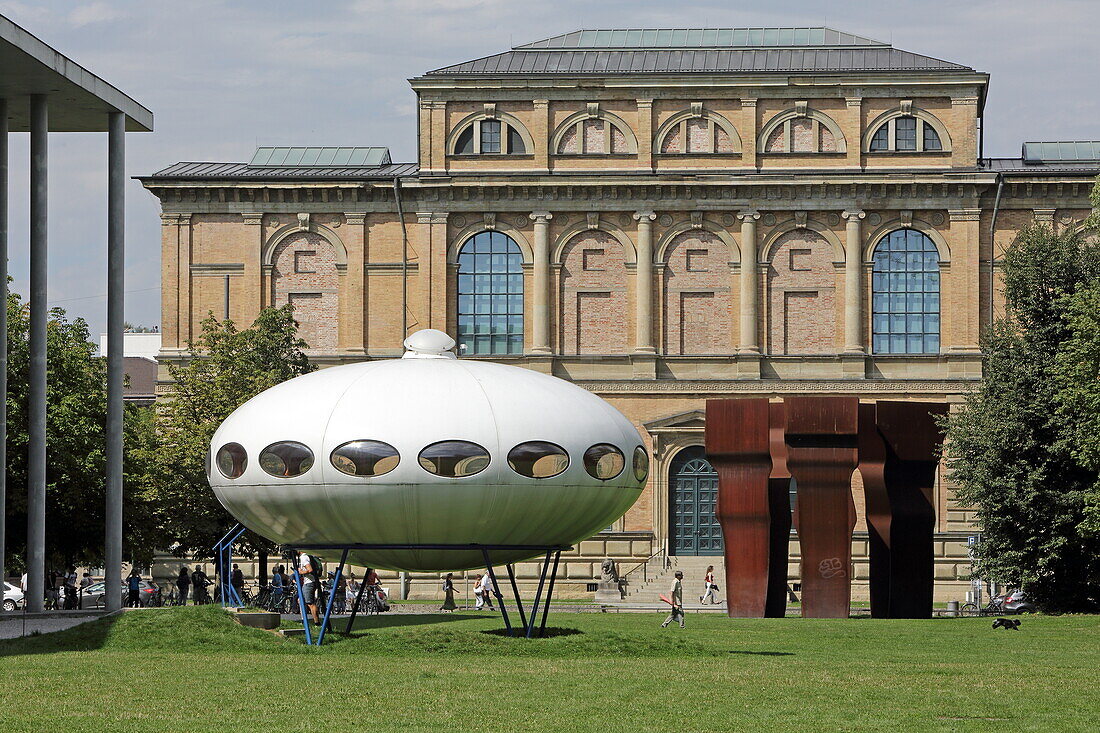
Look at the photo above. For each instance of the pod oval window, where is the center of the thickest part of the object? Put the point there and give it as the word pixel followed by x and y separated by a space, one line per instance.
pixel 286 459
pixel 641 463
pixel 604 461
pixel 365 458
pixel 538 459
pixel 232 460
pixel 454 458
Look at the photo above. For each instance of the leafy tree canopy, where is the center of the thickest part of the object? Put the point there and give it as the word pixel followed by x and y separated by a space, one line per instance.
pixel 231 367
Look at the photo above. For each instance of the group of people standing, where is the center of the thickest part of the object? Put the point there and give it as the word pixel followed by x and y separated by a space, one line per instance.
pixel 197 580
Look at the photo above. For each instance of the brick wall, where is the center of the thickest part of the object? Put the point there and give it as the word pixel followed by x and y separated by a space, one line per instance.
pixel 593 295
pixel 304 274
pixel 698 308
pixel 801 295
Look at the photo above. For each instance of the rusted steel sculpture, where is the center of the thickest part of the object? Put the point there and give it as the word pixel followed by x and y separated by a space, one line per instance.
pixel 902 568
pixel 821 456
pixel 872 466
pixel 779 503
pixel 738 447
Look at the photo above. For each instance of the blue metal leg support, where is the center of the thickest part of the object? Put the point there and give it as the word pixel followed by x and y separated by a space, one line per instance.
pixel 549 593
pixel 496 590
pixel 331 598
pixel 538 596
pixel 515 592
pixel 302 605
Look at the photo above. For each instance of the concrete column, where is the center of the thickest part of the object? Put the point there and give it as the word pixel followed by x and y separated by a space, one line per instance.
pixel 853 285
pixel 643 339
pixel 3 336
pixel 750 342
pixel 540 284
pixel 116 264
pixel 36 407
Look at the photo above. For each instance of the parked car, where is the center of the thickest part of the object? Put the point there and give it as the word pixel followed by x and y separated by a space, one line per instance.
pixel 1016 602
pixel 13 597
pixel 92 596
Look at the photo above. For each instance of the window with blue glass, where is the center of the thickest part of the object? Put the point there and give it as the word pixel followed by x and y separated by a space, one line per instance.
pixel 490 295
pixel 905 303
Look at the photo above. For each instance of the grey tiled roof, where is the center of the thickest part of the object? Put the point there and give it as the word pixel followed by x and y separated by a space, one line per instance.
pixel 716 50
pixel 1018 165
pixel 222 171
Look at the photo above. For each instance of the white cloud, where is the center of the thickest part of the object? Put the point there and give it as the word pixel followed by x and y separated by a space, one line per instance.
pixel 95 12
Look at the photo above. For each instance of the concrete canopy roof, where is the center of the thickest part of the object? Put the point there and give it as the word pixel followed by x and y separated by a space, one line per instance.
pixel 79 100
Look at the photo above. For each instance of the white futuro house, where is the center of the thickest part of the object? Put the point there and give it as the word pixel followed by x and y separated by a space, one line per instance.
pixel 426 450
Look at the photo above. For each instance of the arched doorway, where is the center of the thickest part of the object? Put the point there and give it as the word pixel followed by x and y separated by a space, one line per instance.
pixel 693 491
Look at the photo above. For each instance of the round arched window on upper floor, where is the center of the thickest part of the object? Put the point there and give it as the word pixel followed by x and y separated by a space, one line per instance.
pixel 489 136
pixel 905 294
pixel 594 132
pixel 490 295
pixel 906 134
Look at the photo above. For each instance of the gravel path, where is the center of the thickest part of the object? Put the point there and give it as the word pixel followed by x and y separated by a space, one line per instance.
pixel 11 625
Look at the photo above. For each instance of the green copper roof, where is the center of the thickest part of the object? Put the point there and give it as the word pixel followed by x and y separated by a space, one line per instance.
pixel 320 157
pixel 702 38
pixel 1063 152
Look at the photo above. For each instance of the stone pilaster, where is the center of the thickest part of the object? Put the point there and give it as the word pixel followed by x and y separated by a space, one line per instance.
pixel 643 339
pixel 645 134
pixel 963 300
pixel 853 287
pixel 540 284
pixel 750 316
pixel 355 311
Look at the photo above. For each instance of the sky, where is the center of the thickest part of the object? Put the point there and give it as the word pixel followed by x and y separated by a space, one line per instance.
pixel 223 77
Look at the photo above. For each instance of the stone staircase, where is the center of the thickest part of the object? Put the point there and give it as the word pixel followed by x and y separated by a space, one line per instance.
pixel 659 579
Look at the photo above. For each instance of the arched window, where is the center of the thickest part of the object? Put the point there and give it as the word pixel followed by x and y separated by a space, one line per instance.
pixel 697 132
pixel 802 130
pixel 499 134
pixel 490 295
pixel 906 129
pixel 905 287
pixel 594 133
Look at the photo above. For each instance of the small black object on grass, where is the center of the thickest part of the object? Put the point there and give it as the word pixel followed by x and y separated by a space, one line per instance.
pixel 1007 623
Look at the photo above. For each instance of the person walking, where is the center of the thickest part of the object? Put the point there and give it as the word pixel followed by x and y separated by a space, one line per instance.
pixel 69 585
pixel 278 586
pixel 479 593
pixel 53 596
pixel 133 586
pixel 85 581
pixel 709 587
pixel 448 593
pixel 309 579
pixel 487 590
pixel 676 599
pixel 340 595
pixel 199 581
pixel 183 582
pixel 236 579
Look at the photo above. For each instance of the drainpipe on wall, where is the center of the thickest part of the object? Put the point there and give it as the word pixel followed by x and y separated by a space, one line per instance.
pixel 992 242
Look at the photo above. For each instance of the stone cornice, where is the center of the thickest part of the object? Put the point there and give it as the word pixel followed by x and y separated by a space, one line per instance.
pixel 786 386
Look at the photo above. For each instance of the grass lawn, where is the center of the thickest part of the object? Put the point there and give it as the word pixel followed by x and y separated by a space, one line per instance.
pixel 191 669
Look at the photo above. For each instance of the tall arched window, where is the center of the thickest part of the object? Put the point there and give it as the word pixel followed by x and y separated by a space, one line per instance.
pixel 905 294
pixel 490 295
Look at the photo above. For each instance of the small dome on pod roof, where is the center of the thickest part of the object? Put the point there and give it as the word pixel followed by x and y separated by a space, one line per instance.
pixel 427 449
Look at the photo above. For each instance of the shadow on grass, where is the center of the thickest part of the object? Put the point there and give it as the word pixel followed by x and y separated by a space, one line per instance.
pixel 762 654
pixel 371 623
pixel 87 636
pixel 548 632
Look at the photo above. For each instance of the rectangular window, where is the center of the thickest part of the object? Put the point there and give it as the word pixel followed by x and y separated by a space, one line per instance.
pixel 302 263
pixel 905 131
pixel 697 260
pixel 490 136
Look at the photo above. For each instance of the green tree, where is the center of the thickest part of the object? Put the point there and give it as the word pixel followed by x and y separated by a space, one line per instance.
pixel 1007 445
pixel 76 408
pixel 230 367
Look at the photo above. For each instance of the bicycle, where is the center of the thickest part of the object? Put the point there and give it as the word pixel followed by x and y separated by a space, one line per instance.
pixel 995 607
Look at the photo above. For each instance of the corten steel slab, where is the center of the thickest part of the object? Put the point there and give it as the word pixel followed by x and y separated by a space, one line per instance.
pixel 821 456
pixel 738 445
pixel 779 504
pixel 913 442
pixel 872 464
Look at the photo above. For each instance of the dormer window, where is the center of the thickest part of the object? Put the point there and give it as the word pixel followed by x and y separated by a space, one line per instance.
pixel 499 134
pixel 907 130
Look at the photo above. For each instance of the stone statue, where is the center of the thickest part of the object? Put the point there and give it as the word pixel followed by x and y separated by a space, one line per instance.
pixel 608 572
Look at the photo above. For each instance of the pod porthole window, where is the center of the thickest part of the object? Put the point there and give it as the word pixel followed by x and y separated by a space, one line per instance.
pixel 454 458
pixel 365 458
pixel 641 463
pixel 286 459
pixel 538 459
pixel 604 461
pixel 232 460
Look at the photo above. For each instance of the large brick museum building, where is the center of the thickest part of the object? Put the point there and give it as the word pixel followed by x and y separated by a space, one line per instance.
pixel 662 217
